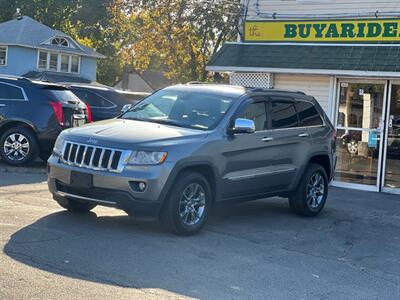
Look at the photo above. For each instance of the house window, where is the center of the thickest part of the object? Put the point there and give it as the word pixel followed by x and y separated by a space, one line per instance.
pixel 65 63
pixel 3 56
pixel 59 41
pixel 74 64
pixel 58 62
pixel 53 66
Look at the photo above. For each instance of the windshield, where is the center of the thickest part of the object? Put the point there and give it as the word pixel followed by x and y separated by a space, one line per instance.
pixel 181 108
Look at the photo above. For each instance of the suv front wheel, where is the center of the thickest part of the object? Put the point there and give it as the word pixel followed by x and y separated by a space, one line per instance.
pixel 310 197
pixel 187 206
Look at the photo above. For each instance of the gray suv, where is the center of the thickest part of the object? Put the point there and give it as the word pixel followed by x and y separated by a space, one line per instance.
pixel 186 148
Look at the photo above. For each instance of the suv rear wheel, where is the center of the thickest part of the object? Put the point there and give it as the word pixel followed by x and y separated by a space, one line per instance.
pixel 18 146
pixel 187 205
pixel 310 196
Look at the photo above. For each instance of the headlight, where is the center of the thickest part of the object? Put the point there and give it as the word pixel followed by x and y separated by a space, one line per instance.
pixel 147 158
pixel 59 145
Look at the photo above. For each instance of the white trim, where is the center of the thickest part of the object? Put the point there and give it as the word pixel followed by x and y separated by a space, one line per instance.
pixel 59 54
pixel 331 96
pixel 391 190
pixel 304 71
pixel 6 59
pixel 67 38
pixel 312 44
pixel 355 186
pixel 96 55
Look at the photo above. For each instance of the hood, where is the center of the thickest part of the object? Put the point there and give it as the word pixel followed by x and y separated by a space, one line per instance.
pixel 122 133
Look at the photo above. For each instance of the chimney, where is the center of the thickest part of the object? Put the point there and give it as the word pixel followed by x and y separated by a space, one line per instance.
pixel 18 14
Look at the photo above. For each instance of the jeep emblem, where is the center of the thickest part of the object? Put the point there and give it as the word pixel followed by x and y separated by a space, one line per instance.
pixel 92 141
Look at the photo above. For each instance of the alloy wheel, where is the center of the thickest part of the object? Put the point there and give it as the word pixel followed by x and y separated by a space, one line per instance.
pixel 16 147
pixel 192 204
pixel 352 147
pixel 315 190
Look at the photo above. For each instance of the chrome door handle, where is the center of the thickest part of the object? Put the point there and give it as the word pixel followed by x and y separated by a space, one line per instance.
pixel 267 139
pixel 2 105
pixel 304 135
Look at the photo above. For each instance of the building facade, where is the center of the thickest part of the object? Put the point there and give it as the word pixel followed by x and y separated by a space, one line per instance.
pixel 345 53
pixel 29 48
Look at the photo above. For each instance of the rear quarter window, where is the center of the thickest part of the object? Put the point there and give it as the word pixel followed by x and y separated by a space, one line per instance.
pixel 93 99
pixel 10 92
pixel 308 114
pixel 62 95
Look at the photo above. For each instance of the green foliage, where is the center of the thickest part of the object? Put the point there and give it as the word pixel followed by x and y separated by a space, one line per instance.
pixel 174 36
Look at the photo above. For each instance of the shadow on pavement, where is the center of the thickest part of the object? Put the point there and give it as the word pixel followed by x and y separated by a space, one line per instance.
pixel 11 175
pixel 243 248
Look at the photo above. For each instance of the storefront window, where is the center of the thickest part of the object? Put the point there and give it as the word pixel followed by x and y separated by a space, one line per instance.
pixel 360 105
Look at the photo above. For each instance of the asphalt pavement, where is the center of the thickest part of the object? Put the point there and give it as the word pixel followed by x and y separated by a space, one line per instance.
pixel 255 250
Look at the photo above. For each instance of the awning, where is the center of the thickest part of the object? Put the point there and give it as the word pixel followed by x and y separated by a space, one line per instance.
pixel 363 60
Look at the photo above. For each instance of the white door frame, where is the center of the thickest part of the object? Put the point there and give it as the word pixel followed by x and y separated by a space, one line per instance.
pixel 386 137
pixel 365 187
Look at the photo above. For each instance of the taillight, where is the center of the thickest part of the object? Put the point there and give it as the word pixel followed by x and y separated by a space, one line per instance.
pixel 89 113
pixel 58 111
pixel 334 137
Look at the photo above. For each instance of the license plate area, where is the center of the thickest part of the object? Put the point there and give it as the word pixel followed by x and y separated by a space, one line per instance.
pixel 82 180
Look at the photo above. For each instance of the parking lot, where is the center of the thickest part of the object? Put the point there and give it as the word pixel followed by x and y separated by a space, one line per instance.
pixel 256 250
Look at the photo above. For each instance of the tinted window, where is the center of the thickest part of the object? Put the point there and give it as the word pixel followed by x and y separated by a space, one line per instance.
pixel 308 114
pixel 256 112
pixel 92 99
pixel 10 92
pixel 283 114
pixel 62 95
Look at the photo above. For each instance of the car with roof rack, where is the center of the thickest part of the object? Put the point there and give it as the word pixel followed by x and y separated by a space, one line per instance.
pixel 187 148
pixel 32 114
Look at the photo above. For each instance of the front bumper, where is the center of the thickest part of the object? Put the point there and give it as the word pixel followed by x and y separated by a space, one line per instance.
pixel 113 189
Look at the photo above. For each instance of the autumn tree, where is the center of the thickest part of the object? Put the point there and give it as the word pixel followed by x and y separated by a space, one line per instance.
pixel 179 36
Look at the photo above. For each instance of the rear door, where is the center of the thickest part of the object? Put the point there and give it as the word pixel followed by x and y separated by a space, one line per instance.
pixel 253 163
pixel 290 143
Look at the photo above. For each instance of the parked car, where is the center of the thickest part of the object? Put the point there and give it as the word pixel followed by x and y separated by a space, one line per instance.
pixel 187 147
pixel 32 114
pixel 105 102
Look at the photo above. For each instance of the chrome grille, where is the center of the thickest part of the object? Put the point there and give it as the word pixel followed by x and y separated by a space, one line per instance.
pixel 94 157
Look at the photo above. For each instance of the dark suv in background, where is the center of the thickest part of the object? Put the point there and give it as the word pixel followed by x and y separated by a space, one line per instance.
pixel 32 114
pixel 105 102
pixel 187 147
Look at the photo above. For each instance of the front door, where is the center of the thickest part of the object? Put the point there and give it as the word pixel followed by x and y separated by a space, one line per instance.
pixel 359 123
pixel 391 182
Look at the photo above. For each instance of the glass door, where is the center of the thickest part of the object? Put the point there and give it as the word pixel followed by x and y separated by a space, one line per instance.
pixel 359 123
pixel 391 182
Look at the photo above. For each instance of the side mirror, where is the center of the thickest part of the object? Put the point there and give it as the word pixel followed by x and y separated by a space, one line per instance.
pixel 243 126
pixel 126 107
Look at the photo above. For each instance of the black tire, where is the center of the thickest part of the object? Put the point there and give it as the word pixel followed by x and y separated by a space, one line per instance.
pixel 45 154
pixel 171 216
pixel 75 206
pixel 21 159
pixel 300 203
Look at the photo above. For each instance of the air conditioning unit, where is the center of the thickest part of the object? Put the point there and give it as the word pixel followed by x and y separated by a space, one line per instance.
pixel 2 62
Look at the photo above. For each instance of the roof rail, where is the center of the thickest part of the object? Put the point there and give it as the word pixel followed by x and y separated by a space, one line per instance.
pixel 258 89
pixel 195 82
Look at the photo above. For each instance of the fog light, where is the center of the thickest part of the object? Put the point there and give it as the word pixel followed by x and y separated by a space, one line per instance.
pixel 142 186
pixel 138 186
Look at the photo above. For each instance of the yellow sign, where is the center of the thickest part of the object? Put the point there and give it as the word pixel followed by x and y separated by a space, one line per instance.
pixel 323 31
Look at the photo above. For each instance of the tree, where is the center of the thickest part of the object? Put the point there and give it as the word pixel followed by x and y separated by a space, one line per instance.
pixel 179 36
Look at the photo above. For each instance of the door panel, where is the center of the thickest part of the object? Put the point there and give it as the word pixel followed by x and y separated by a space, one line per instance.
pixel 392 163
pixel 359 132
